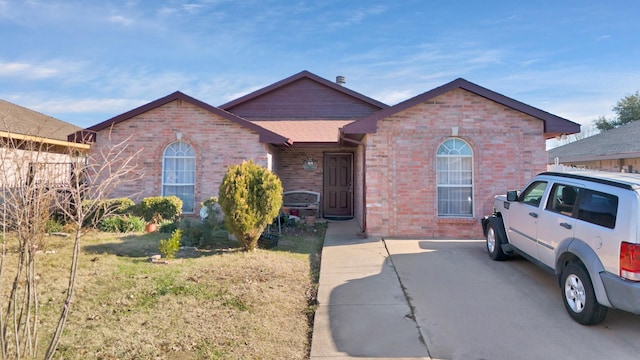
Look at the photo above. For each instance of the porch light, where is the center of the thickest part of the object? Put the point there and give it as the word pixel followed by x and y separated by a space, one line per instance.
pixel 310 164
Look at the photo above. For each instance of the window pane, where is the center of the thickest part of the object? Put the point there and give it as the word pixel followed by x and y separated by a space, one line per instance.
pixel 185 193
pixel 598 208
pixel 179 174
pixel 454 177
pixel 455 201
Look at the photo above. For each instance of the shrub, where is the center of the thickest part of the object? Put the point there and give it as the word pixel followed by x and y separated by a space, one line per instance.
pixel 167 226
pixel 158 208
pixel 192 231
pixel 251 197
pixel 116 206
pixel 52 226
pixel 169 247
pixel 121 224
pixel 110 224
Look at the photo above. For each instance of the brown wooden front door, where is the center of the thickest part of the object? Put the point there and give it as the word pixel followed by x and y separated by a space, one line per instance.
pixel 338 185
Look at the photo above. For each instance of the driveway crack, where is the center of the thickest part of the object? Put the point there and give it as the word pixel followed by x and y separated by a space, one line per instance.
pixel 411 315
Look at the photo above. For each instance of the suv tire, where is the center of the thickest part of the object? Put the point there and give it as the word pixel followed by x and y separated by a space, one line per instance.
pixel 579 297
pixel 495 239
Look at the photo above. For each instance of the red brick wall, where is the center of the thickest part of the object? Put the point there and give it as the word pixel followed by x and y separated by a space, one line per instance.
pixel 294 177
pixel 508 150
pixel 217 142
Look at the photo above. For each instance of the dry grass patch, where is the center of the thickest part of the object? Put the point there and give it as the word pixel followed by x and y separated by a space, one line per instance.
pixel 215 304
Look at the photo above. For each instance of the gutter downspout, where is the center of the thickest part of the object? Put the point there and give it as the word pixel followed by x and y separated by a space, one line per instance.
pixel 364 181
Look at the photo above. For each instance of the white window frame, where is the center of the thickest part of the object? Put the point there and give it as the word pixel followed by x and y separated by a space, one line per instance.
pixel 454 153
pixel 187 153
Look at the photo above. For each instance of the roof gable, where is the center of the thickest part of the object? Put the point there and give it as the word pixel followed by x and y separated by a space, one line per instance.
pixel 303 96
pixel 266 136
pixel 553 125
pixel 618 143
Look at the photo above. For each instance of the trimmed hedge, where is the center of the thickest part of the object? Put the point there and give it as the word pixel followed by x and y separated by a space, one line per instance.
pixel 157 208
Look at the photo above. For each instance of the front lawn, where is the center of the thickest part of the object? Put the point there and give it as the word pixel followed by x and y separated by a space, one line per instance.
pixel 218 303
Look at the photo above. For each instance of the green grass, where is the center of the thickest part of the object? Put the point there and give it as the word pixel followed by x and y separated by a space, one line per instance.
pixel 218 303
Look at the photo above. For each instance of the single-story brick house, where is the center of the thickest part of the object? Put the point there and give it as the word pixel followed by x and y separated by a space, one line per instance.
pixel 426 167
pixel 612 150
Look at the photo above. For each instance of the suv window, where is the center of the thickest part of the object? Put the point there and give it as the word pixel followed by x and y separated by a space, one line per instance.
pixel 562 199
pixel 598 208
pixel 532 195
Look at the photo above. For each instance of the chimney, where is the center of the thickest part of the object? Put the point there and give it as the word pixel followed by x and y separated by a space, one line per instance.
pixel 340 80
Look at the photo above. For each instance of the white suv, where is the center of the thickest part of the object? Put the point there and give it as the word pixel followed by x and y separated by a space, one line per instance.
pixel 583 227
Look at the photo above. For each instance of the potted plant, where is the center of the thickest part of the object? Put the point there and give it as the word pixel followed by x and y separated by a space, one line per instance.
pixel 153 224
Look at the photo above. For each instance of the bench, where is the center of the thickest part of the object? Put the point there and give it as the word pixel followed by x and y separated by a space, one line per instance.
pixel 302 200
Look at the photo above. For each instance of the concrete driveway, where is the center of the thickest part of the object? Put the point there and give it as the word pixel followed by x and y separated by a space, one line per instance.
pixel 470 307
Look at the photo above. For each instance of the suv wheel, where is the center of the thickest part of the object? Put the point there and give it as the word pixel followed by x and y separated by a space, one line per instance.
pixel 579 297
pixel 494 242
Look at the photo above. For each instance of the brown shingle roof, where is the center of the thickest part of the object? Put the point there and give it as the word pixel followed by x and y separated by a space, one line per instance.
pixel 619 143
pixel 16 119
pixel 307 131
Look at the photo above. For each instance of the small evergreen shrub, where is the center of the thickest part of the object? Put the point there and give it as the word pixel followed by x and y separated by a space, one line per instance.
pixel 192 231
pixel 169 247
pixel 251 197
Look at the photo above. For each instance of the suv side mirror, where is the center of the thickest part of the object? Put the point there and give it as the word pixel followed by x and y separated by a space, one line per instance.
pixel 512 195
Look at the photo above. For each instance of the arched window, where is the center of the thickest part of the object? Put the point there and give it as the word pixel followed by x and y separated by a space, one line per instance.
pixel 454 172
pixel 179 174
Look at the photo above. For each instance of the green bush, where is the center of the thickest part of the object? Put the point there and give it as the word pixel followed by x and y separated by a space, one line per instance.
pixel 121 224
pixel 169 247
pixel 52 226
pixel 157 208
pixel 167 226
pixel 251 197
pixel 192 231
pixel 106 207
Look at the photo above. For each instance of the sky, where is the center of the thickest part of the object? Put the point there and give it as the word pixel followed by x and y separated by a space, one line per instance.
pixel 87 61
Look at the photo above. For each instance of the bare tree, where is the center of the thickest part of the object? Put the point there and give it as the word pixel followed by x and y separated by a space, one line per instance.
pixel 38 179
pixel 106 169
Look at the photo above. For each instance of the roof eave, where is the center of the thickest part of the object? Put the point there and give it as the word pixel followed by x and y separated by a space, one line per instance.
pixel 581 158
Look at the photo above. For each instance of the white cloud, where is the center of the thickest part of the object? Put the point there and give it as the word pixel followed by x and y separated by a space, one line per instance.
pixel 119 19
pixel 392 97
pixel 68 105
pixel 30 71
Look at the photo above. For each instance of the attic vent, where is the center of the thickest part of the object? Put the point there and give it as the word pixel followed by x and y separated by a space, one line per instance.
pixel 340 80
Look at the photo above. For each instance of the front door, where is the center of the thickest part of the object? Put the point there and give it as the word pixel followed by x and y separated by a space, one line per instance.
pixel 338 185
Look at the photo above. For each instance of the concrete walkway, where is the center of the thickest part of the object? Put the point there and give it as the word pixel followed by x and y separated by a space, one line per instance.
pixel 363 311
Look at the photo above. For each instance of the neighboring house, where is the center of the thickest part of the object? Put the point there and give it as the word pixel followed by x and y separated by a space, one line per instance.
pixel 427 167
pixel 612 150
pixel 34 147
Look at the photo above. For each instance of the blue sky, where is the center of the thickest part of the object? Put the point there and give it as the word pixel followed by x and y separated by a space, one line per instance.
pixel 86 61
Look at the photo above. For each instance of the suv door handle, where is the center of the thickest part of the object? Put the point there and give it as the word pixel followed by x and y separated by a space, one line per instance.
pixel 565 225
pixel 532 214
